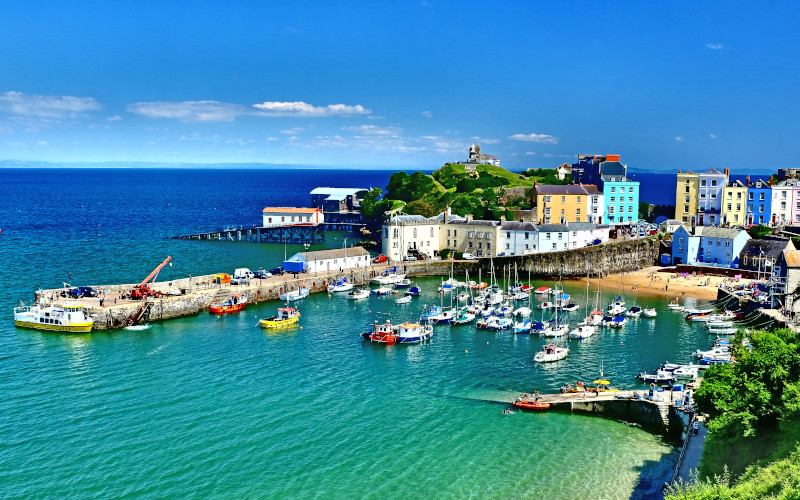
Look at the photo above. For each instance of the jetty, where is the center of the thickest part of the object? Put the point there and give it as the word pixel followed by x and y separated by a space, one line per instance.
pixel 296 234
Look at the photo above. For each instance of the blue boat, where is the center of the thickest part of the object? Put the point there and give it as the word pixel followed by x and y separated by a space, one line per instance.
pixel 413 291
pixel 430 313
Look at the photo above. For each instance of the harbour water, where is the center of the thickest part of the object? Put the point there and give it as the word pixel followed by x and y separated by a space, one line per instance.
pixel 217 407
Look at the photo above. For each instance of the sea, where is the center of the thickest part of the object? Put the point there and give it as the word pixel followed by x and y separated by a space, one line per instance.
pixel 216 407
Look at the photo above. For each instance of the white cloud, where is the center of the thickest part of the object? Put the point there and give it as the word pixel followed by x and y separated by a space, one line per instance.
pixel 715 46
pixel 375 130
pixel 293 130
pixel 189 111
pixel 483 140
pixel 540 138
pixel 300 108
pixel 679 138
pixel 45 106
pixel 713 136
pixel 529 153
pixel 41 143
pixel 215 111
pixel 115 118
pixel 427 114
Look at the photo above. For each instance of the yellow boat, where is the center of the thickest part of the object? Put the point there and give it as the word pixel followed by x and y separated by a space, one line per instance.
pixel 54 318
pixel 286 316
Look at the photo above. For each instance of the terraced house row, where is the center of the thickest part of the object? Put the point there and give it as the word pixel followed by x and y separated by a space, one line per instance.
pixel 712 199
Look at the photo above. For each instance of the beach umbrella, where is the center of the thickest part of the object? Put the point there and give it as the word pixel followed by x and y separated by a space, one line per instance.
pixel 601 381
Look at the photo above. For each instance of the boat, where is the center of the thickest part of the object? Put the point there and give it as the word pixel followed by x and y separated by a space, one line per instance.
pixel 463 317
pixel 66 318
pixel 361 293
pixel 618 322
pixel 499 324
pixel 403 283
pixel 463 297
pixel 546 305
pixel 582 332
pixel 649 312
pixel 523 312
pixel 634 312
pixel 687 372
pixel 299 294
pixel 698 317
pixel 719 351
pixel 607 320
pixel 341 285
pixel 555 330
pixel 530 405
pixel 658 376
pixel 570 307
pixel 235 303
pixel 675 306
pixel 413 333
pixel 698 311
pixel 542 290
pixel 286 316
pixel 723 331
pixel 381 332
pixel 615 308
pixel 523 326
pixel 430 312
pixel 551 352
pixel 719 324
pixel 413 291
pixel 381 291
pixel 520 296
pixel 389 277
pixel 405 299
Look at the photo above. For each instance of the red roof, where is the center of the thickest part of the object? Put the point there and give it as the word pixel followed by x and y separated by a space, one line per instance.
pixel 290 210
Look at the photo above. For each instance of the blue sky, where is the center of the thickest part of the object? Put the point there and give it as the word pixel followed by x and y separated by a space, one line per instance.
pixel 401 84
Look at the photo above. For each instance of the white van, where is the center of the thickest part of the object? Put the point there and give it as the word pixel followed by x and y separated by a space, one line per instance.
pixel 467 256
pixel 241 275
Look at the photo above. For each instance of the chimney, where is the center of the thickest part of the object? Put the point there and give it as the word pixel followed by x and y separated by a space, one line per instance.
pixel 447 213
pixel 502 219
pixel 679 170
pixel 469 217
pixel 747 183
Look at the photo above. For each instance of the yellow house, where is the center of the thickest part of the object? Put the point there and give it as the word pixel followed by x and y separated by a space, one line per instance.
pixel 686 194
pixel 561 204
pixel 734 204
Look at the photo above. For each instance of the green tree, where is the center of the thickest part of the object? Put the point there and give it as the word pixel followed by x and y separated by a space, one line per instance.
pixel 370 202
pixel 420 207
pixel 759 231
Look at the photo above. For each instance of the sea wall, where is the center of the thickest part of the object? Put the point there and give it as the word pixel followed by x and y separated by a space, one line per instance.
pixel 663 419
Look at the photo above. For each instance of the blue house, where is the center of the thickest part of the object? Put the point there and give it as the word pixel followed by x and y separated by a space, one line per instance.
pixel 708 245
pixel 759 202
pixel 621 194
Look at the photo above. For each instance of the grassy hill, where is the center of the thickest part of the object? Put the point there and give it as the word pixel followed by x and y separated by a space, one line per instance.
pixel 476 192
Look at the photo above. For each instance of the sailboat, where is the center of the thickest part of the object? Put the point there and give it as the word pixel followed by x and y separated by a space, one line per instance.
pixel 463 314
pixel 584 329
pixel 550 353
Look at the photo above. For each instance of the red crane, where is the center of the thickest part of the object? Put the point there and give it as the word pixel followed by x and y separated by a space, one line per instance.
pixel 143 290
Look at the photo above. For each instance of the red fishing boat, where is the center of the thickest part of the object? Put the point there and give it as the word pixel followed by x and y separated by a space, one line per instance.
pixel 234 304
pixel 382 333
pixel 531 405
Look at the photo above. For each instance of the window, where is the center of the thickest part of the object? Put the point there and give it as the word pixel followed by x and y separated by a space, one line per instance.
pixel 480 244
pixel 680 240
pixel 547 198
pixel 761 196
pixel 613 189
pixel 578 212
pixel 703 183
pixel 526 235
pixel 611 209
pixel 470 234
pixel 270 220
pixel 480 235
pixel 738 206
pixel 563 199
pixel 719 242
pixel 470 244
pixel 292 218
pixel 448 232
pixel 508 246
pixel 750 195
pixel 488 246
pixel 686 199
pixel 630 199
pixel 630 209
pixel 431 231
pixel 729 195
pixel 735 217
pixel 687 187
pixel 579 199
pixel 395 232
pixel 622 189
pixel 560 236
pixel 547 211
pixel 739 195
pixel 508 234
pixel 455 232
pixel 729 207
pixel 687 181
pixel 713 195
pixel 488 236
pixel 684 219
pixel 574 233
pixel 783 205
pixel 554 246
pixel 547 237
pixel 783 194
pixel 713 183
pixel 761 208
pixel 448 243
pixel 702 196
pixel 686 208
pixel 727 243
pixel 595 199
pixel 415 232
pixel 283 219
pixel 750 207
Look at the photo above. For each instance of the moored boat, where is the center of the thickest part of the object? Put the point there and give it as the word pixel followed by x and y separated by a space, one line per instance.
pixel 582 332
pixel 649 312
pixel 299 294
pixel 405 299
pixel 412 333
pixel 235 303
pixel 531 405
pixel 550 353
pixel 286 316
pixel 361 293
pixel 341 285
pixel 57 318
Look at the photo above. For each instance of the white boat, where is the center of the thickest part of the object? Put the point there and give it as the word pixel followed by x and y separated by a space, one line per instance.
pixel 570 307
pixel 56 318
pixel 542 290
pixel 405 299
pixel 723 331
pixel 341 286
pixel 299 294
pixel 649 312
pixel 618 322
pixel 675 306
pixel 403 283
pixel 523 312
pixel 361 293
pixel 546 305
pixel 381 291
pixel 520 296
pixel 685 372
pixel 658 376
pixel 555 331
pixel 634 312
pixel 523 326
pixel 719 324
pixel 463 317
pixel 550 353
pixel 463 297
pixel 412 333
pixel 698 311
pixel 582 332
pixel 499 324
pixel 715 352
pixel 614 309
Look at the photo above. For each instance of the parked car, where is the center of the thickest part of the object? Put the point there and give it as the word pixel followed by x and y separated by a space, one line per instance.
pixel 81 291
pixel 278 271
pixel 467 256
pixel 595 241
pixel 261 273
pixel 379 259
pixel 239 280
pixel 410 257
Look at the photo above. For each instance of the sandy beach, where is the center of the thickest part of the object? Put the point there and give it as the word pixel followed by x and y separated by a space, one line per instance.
pixel 650 281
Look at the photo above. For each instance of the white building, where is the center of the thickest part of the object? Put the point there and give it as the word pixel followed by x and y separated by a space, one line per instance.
pixel 595 204
pixel 290 216
pixel 583 234
pixel 553 238
pixel 781 209
pixel 408 234
pixel 518 238
pixel 333 260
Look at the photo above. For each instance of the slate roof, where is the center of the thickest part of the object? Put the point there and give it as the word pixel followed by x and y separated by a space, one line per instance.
pixel 581 226
pixel 789 183
pixel 713 171
pixel 717 232
pixel 511 225
pixel 334 253
pixel 560 190
pixel 441 216
pixel 475 222
pixel 765 248
pixel 616 178
pixel 406 219
pixel 553 228
pixel 591 189
pixel 736 184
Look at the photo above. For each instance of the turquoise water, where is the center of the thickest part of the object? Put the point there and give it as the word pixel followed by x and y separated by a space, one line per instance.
pixel 217 407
